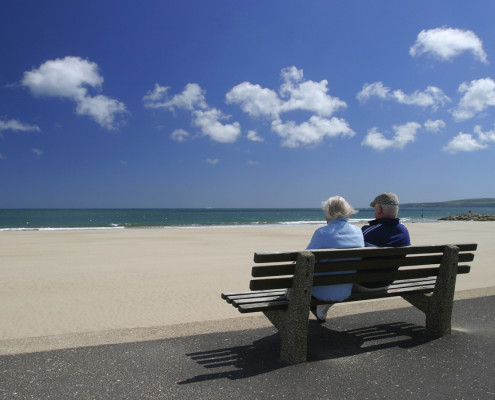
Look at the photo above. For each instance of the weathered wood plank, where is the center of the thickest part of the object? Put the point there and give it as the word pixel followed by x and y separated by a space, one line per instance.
pixel 284 283
pixel 360 252
pixel 273 305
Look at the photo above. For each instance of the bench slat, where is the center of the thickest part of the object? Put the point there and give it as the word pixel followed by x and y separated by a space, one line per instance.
pixel 284 283
pixel 393 291
pixel 254 300
pixel 381 276
pixel 360 252
pixel 230 295
pixel 347 265
pixel 273 305
pixel 255 295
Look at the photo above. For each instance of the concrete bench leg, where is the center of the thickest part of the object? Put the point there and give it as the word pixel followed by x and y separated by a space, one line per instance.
pixel 292 323
pixel 438 306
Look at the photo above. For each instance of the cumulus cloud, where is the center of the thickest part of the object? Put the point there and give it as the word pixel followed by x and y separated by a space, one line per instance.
pixel 102 109
pixel 208 119
pixel 16 126
pixel 432 96
pixel 468 142
pixel 254 137
pixel 255 100
pixel 191 98
pixel 295 94
pixel 212 161
pixel 180 135
pixel 434 126
pixel 478 95
pixel 209 123
pixel 448 43
pixel 70 78
pixel 403 135
pixel 311 132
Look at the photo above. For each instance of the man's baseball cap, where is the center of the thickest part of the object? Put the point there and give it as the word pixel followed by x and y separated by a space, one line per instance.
pixel 385 198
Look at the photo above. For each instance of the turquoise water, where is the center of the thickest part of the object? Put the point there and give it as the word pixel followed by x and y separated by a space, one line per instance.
pixel 20 219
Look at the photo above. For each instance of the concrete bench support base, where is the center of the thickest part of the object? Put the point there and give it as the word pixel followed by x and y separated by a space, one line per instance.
pixel 438 305
pixel 293 322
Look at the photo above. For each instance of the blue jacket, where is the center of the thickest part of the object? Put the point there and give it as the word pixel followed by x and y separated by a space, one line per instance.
pixel 337 234
pixel 385 232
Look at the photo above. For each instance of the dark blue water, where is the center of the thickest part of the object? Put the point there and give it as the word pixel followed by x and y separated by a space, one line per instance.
pixel 14 219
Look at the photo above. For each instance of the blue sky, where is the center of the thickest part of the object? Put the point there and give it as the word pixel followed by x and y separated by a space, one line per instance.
pixel 245 103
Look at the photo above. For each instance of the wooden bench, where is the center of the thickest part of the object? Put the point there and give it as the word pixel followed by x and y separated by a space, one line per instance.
pixel 282 289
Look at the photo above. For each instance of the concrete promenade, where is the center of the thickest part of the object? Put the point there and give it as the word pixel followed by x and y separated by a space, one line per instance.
pixel 373 355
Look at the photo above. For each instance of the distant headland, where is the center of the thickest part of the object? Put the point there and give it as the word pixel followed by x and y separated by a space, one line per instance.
pixel 488 202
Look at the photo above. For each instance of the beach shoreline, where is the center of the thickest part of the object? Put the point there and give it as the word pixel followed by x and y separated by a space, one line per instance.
pixel 59 283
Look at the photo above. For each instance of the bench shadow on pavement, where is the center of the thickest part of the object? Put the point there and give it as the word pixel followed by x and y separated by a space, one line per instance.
pixel 262 356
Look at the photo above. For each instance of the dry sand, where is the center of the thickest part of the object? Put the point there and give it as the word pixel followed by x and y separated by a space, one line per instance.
pixel 70 288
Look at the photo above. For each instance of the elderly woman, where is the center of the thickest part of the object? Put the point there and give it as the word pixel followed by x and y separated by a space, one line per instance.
pixel 338 234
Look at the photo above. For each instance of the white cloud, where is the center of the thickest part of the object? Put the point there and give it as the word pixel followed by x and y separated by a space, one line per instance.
pixel 207 119
pixel 434 126
pixel 70 78
pixel 467 142
pixel 448 43
pixel 212 161
pixel 255 100
pixel 209 123
pixel 485 137
pixel 14 125
pixel 295 94
pixel 192 97
pixel 307 95
pixel 403 135
pixel 464 142
pixel 430 97
pixel 375 89
pixel 63 78
pixel 101 108
pixel 254 137
pixel 38 152
pixel 179 135
pixel 311 132
pixel 478 95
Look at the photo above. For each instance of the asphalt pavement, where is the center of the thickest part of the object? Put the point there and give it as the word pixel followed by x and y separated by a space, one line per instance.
pixel 375 355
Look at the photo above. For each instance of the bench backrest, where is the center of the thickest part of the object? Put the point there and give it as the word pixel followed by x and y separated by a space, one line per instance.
pixel 414 261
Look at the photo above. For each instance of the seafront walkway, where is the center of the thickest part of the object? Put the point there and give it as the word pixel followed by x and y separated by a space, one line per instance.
pixel 379 351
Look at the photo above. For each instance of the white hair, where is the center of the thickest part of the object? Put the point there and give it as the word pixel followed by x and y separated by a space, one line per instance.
pixel 337 207
pixel 390 210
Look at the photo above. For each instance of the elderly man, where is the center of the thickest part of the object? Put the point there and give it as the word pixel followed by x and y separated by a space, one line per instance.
pixel 384 231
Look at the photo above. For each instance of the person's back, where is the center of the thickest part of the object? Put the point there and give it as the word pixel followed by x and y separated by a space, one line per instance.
pixel 384 231
pixel 338 233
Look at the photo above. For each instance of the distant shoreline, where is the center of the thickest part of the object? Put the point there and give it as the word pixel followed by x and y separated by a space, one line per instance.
pixel 468 203
pixel 469 217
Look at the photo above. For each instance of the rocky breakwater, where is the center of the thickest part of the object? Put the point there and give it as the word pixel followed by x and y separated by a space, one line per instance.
pixel 469 217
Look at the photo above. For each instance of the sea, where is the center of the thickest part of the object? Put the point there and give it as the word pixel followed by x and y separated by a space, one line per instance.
pixel 73 219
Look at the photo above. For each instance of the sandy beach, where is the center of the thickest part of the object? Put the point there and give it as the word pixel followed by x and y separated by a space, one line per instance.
pixel 88 282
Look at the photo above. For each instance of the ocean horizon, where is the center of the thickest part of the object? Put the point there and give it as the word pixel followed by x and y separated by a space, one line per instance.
pixel 106 218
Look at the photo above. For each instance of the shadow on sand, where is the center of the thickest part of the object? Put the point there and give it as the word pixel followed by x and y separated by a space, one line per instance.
pixel 262 356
